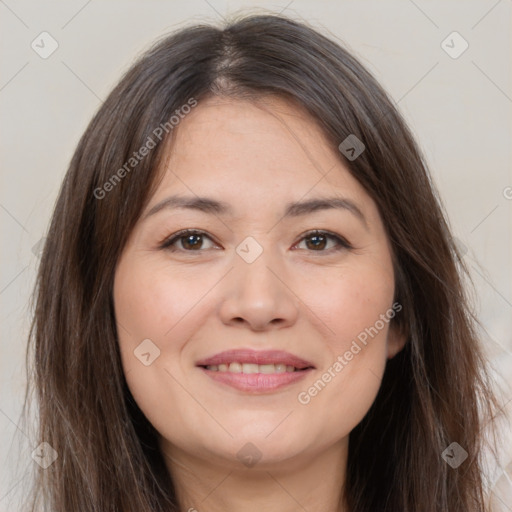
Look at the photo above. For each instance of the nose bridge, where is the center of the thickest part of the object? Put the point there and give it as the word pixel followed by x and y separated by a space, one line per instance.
pixel 256 275
pixel 257 293
pixel 255 269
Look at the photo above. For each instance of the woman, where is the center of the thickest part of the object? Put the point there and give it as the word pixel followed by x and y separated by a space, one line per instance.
pixel 249 297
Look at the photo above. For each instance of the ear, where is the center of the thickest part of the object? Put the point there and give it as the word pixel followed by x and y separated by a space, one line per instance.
pixel 397 337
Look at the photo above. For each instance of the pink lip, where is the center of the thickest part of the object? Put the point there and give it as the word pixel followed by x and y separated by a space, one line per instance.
pixel 256 357
pixel 256 382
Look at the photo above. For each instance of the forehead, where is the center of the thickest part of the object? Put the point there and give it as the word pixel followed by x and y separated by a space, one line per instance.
pixel 254 152
pixel 270 131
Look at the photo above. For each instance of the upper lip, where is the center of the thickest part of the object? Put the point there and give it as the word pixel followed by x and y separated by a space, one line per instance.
pixel 256 357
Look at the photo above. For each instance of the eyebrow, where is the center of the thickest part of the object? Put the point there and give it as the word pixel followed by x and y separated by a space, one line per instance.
pixel 294 209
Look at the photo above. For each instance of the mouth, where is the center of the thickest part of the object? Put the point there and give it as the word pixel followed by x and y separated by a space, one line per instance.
pixel 255 371
pixel 237 367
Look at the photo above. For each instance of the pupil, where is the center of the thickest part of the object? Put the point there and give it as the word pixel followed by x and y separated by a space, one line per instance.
pixel 321 243
pixel 191 237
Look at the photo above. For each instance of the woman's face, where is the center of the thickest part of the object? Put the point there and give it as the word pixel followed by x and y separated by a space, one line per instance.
pixel 255 330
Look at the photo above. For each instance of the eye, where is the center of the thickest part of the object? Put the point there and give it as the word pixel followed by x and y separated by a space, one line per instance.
pixel 191 240
pixel 318 240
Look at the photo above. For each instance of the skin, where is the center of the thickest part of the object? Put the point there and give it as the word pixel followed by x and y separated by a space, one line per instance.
pixel 313 302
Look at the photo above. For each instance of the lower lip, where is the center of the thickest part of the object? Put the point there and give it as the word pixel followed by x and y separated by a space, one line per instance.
pixel 257 382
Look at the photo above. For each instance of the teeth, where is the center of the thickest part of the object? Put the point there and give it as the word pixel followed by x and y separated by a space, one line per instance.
pixel 235 368
pixel 249 368
pixel 252 368
pixel 267 368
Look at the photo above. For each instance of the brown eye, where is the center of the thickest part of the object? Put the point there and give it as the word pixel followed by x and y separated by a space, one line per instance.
pixel 191 241
pixel 318 241
pixel 188 241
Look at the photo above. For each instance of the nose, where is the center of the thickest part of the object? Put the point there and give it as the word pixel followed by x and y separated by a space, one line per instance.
pixel 258 296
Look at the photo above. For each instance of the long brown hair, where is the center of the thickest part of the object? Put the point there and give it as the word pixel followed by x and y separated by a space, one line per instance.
pixel 434 392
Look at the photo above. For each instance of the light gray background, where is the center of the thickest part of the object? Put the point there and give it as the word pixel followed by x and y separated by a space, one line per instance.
pixel 459 109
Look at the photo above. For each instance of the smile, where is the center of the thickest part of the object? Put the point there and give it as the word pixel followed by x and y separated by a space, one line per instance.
pixel 252 368
pixel 255 371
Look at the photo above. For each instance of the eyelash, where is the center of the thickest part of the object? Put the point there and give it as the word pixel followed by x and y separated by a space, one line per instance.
pixel 169 241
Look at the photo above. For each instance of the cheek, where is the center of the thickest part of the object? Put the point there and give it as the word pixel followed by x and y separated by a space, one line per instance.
pixel 351 302
pixel 357 312
pixel 152 303
pixel 156 314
